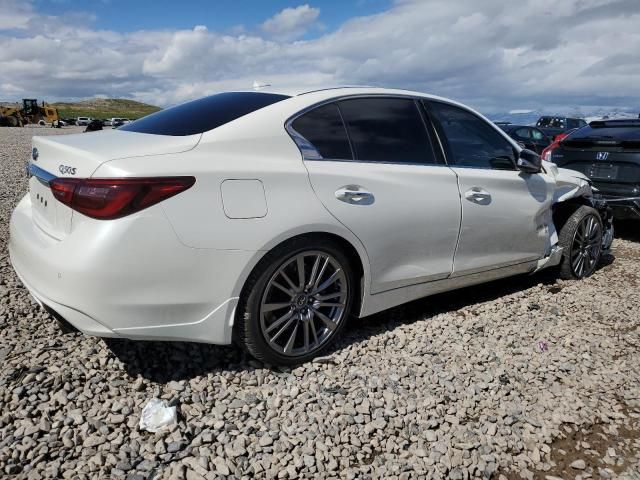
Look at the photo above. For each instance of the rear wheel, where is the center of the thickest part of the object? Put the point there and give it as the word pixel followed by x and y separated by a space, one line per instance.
pixel 296 302
pixel 581 239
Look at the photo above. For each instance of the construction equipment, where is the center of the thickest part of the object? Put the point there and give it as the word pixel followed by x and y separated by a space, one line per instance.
pixel 31 112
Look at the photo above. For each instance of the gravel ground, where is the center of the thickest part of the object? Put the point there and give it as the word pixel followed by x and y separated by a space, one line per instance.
pixel 456 386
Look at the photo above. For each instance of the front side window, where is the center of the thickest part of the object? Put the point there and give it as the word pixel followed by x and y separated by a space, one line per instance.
pixel 323 134
pixel 472 142
pixel 202 115
pixel 523 133
pixel 388 130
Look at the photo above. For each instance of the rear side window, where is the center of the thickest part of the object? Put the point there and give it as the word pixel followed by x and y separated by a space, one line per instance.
pixel 387 130
pixel 537 134
pixel 323 129
pixel 203 114
pixel 472 141
pixel 522 132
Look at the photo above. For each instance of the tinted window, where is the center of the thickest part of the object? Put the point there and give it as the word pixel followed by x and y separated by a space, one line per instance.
pixel 537 134
pixel 522 132
pixel 324 130
pixel 472 141
pixel 202 115
pixel 386 130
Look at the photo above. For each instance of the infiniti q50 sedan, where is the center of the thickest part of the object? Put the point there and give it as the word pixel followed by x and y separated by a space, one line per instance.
pixel 268 218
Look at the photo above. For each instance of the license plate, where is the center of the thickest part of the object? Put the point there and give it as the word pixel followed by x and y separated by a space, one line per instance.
pixel 604 171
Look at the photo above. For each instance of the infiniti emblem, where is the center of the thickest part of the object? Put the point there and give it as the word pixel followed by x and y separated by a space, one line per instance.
pixel 602 155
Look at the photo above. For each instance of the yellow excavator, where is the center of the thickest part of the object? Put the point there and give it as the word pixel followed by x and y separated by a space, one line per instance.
pixel 30 112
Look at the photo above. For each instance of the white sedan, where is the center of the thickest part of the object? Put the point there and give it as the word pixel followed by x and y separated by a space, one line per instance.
pixel 268 218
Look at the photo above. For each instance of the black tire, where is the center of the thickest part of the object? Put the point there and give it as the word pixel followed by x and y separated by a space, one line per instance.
pixel 249 328
pixel 581 240
pixel 12 121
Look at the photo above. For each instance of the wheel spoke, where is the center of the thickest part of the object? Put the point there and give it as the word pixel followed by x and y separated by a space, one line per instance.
pixel 279 322
pixel 328 296
pixel 314 272
pixel 270 307
pixel 328 281
pixel 328 304
pixel 301 273
pixel 331 325
pixel 581 266
pixel 292 285
pixel 284 289
pixel 306 336
pixel 319 277
pixel 288 348
pixel 286 325
pixel 577 262
pixel 312 324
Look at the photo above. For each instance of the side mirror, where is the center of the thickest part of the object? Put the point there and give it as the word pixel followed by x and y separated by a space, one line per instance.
pixel 529 162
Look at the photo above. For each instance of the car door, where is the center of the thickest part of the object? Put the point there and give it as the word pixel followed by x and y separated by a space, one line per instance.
pixel 505 212
pixel 372 165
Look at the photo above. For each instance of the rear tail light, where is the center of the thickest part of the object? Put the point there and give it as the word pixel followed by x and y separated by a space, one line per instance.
pixel 546 153
pixel 109 198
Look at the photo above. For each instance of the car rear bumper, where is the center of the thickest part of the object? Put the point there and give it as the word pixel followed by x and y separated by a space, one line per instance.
pixel 624 208
pixel 129 278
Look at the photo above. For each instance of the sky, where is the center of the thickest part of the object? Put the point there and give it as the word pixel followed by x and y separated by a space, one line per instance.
pixel 492 55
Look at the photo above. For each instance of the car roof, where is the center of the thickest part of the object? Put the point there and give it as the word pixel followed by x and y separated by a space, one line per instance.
pixel 342 90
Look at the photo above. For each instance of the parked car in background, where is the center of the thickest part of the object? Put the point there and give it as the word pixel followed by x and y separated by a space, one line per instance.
pixel 528 137
pixel 552 125
pixel 268 218
pixel 118 122
pixel 82 121
pixel 94 126
pixel 70 121
pixel 608 152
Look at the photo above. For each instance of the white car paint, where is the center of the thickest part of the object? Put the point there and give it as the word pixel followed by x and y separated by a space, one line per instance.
pixel 175 270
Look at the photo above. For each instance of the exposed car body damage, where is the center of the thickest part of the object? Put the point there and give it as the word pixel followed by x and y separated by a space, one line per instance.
pixel 573 188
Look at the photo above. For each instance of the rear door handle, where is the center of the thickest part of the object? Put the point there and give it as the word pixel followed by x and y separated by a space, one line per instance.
pixel 477 195
pixel 355 195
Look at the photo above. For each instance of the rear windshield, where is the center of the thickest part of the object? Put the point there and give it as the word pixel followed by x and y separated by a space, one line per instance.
pixel 614 136
pixel 551 122
pixel 202 115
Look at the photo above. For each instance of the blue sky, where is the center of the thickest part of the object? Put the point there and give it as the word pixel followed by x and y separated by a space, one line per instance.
pixel 220 15
pixel 496 56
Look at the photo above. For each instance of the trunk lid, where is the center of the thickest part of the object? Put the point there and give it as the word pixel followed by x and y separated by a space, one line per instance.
pixel 613 168
pixel 79 156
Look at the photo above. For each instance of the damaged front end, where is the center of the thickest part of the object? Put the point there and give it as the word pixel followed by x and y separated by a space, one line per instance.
pixel 574 189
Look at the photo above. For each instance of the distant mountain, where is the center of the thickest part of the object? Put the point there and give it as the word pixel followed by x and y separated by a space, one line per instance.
pixel 105 108
pixel 529 117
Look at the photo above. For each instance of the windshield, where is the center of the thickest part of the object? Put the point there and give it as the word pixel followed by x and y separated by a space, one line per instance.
pixel 551 122
pixel 202 115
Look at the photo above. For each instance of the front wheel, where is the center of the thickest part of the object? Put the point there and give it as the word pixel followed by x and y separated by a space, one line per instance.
pixel 581 239
pixel 296 302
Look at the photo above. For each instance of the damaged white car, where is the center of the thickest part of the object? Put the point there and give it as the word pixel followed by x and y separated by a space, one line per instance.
pixel 268 218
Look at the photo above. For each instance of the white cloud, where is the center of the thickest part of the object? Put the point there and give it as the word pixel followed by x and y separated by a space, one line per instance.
pixel 541 55
pixel 291 22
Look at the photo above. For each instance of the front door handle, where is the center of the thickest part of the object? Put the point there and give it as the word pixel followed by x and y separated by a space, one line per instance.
pixel 355 195
pixel 478 195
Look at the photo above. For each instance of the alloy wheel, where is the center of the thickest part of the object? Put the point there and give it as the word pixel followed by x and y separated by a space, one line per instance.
pixel 586 246
pixel 303 303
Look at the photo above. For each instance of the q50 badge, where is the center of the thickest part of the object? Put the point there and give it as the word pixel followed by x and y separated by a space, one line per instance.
pixel 66 170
